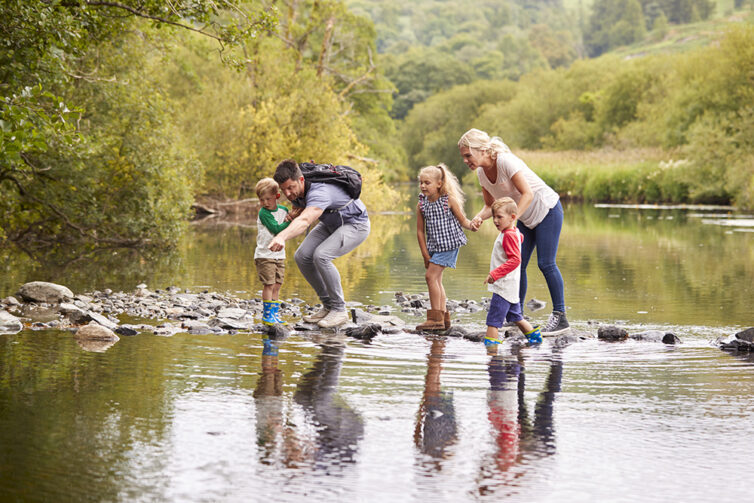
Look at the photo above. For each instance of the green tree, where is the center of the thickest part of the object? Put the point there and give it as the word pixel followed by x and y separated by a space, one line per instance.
pixel 87 154
pixel 432 129
pixel 614 23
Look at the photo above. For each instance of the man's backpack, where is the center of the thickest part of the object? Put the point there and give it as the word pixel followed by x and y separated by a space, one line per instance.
pixel 344 176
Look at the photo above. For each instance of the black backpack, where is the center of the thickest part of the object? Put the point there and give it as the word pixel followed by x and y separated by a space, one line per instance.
pixel 345 176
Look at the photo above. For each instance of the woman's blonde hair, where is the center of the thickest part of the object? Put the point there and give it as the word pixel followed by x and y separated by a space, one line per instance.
pixel 476 139
pixel 450 186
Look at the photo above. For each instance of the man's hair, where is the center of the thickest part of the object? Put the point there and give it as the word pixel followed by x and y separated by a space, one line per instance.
pixel 506 204
pixel 287 170
pixel 266 186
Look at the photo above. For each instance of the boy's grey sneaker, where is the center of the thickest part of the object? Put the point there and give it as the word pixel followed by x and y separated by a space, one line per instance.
pixel 556 325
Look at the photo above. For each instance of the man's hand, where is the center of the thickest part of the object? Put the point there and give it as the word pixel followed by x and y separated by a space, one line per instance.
pixel 476 222
pixel 277 244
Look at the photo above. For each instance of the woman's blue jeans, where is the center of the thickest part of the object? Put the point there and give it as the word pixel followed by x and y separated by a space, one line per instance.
pixel 544 237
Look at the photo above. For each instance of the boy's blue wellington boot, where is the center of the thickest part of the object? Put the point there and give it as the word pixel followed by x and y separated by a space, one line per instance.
pixel 535 336
pixel 491 341
pixel 275 312
pixel 267 316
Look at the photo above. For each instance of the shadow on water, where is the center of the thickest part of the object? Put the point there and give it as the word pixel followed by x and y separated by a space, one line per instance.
pixel 520 439
pixel 284 438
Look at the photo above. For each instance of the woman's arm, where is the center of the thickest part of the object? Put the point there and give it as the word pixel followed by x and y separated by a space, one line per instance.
pixel 421 236
pixel 527 196
pixel 458 213
pixel 485 212
pixel 297 227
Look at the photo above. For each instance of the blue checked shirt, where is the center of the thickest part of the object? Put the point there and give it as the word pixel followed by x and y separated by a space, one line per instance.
pixel 443 231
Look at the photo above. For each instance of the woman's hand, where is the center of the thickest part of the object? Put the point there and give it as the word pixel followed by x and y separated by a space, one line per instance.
pixel 426 262
pixel 476 222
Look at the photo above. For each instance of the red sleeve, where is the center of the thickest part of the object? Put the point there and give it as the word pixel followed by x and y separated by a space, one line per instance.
pixel 512 251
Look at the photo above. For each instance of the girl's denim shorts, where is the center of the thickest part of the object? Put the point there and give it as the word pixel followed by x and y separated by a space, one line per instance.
pixel 445 258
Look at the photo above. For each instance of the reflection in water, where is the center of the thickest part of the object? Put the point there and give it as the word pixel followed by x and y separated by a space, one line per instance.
pixel 436 428
pixel 519 439
pixel 339 428
pixel 276 434
pixel 95 345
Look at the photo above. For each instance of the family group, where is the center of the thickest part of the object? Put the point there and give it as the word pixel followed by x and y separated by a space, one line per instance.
pixel 525 210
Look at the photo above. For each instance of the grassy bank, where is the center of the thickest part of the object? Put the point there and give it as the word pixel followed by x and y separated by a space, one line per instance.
pixel 633 176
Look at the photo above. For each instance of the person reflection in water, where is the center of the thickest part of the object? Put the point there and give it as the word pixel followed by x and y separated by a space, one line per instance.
pixel 518 436
pixel 339 427
pixel 436 428
pixel 276 437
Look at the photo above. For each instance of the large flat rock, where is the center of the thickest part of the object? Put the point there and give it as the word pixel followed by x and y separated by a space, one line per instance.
pixel 41 291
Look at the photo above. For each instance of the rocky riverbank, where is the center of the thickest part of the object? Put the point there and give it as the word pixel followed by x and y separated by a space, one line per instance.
pixel 100 317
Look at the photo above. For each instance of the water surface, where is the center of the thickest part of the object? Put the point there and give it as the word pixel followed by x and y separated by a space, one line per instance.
pixel 405 418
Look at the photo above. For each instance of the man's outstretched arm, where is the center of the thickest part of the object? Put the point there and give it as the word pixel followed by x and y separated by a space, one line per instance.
pixel 297 227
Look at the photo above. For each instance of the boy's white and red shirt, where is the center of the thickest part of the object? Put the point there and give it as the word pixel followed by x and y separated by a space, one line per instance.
pixel 505 265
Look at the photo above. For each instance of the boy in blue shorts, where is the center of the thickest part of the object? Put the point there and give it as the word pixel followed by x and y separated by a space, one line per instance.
pixel 505 275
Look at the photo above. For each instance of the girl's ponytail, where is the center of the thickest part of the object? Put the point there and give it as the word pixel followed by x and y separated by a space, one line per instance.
pixel 450 185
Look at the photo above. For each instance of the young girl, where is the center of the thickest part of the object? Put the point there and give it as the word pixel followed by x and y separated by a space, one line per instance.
pixel 439 222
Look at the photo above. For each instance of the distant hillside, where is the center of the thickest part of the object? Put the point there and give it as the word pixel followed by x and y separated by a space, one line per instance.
pixel 683 37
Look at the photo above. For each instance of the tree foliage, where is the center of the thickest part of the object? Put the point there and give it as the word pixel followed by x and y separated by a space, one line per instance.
pixel 431 45
pixel 87 147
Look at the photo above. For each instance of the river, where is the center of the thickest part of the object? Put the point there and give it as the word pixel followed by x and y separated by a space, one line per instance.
pixel 407 417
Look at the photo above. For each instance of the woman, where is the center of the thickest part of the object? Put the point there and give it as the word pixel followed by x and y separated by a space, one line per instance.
pixel 540 213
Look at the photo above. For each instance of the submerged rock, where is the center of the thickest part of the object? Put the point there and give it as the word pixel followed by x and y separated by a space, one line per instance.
pixel 535 304
pixel 9 324
pixel 96 332
pixel 737 345
pixel 564 340
pixel 387 324
pixel 364 332
pixel 612 333
pixel 656 336
pixel 276 332
pixel 746 335
pixel 126 331
pixel 41 291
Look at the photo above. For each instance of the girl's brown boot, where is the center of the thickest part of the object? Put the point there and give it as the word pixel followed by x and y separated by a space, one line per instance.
pixel 446 320
pixel 435 321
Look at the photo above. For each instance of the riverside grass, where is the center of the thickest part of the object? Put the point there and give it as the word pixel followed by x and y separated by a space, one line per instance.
pixel 636 176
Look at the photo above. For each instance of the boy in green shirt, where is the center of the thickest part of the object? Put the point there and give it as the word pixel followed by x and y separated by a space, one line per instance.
pixel 270 265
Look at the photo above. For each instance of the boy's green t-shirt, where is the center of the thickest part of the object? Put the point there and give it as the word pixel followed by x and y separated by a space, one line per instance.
pixel 268 219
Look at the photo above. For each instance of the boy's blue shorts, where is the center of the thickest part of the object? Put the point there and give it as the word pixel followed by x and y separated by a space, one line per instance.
pixel 501 311
pixel 445 258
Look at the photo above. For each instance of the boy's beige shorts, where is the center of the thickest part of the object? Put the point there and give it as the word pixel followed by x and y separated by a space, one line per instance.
pixel 270 271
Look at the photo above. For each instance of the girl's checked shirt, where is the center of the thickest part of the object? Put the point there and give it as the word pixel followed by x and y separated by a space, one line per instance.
pixel 443 230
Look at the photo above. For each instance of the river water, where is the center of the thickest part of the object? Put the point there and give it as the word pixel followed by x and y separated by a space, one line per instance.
pixel 407 417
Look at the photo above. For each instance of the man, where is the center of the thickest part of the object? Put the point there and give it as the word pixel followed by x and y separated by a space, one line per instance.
pixel 343 225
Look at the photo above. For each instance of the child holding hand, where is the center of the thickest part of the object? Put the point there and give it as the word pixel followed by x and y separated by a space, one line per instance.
pixel 439 227
pixel 270 265
pixel 505 275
